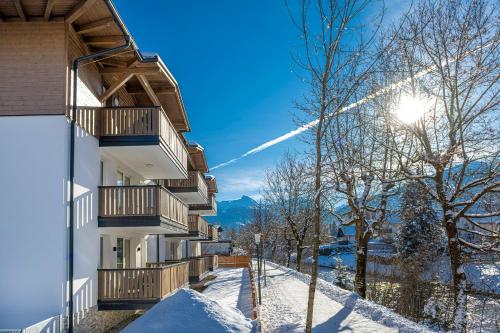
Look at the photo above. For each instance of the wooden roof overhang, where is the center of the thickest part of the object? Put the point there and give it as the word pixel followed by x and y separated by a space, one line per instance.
pixel 197 157
pixel 98 26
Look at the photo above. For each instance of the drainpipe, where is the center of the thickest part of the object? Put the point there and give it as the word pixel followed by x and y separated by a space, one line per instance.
pixel 128 42
pixel 76 63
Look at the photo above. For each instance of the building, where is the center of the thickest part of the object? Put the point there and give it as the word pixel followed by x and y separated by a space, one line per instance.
pixel 100 189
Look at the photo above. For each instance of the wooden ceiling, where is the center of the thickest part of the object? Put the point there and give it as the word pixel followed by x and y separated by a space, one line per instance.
pixel 197 158
pixel 92 21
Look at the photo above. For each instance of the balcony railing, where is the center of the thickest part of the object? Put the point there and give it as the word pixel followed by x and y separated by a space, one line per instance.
pixel 213 232
pixel 195 180
pixel 197 224
pixel 134 201
pixel 213 262
pixel 211 205
pixel 141 283
pixel 198 268
pixel 130 122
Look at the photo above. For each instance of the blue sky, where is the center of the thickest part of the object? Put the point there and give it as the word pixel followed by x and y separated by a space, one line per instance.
pixel 232 60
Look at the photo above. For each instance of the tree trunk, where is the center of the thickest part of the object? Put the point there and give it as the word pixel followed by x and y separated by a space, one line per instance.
pixel 288 252
pixel 459 279
pixel 361 259
pixel 317 223
pixel 299 255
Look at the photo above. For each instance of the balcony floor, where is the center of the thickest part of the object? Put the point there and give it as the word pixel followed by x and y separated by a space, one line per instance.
pixel 141 225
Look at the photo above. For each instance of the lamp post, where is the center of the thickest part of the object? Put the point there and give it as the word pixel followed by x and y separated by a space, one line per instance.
pixel 257 243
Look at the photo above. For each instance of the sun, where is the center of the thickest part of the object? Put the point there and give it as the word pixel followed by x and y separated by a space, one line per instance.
pixel 410 109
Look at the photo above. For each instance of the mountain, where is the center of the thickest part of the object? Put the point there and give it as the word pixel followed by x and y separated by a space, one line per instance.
pixel 232 213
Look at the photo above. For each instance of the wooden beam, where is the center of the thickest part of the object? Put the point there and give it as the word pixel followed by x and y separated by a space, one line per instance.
pixel 48 9
pixel 115 86
pixel 19 8
pixel 79 10
pixel 103 40
pixel 135 71
pixel 147 87
pixel 2 18
pixel 94 26
pixel 158 91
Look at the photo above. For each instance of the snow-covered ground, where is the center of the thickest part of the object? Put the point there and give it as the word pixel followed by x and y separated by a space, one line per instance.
pixel 188 311
pixel 225 306
pixel 284 302
pixel 232 288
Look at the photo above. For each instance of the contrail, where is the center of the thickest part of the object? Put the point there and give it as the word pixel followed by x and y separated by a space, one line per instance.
pixel 307 126
pixel 311 124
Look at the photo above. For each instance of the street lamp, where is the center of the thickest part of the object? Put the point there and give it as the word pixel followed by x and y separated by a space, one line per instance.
pixel 257 243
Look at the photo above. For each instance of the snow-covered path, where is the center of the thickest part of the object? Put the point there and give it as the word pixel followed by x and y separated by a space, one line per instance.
pixel 232 287
pixel 284 303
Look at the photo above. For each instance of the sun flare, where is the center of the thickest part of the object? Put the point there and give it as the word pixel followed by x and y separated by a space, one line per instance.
pixel 410 109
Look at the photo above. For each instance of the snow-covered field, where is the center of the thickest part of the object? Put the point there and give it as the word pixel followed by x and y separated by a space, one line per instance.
pixel 284 305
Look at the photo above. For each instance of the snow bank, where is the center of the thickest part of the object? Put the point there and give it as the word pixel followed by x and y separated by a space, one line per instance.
pixel 352 301
pixel 189 311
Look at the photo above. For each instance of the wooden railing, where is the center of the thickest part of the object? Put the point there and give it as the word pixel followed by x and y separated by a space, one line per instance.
pixel 141 283
pixel 211 184
pixel 195 180
pixel 214 261
pixel 198 266
pixel 213 232
pixel 198 223
pixel 132 121
pixel 119 201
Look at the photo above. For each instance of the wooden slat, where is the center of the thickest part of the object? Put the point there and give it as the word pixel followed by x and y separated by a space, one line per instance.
pixel 103 40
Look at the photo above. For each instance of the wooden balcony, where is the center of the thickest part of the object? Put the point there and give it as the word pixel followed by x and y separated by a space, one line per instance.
pixel 198 227
pixel 198 268
pixel 192 190
pixel 207 209
pixel 211 184
pixel 143 209
pixel 139 288
pixel 213 232
pixel 142 138
pixel 213 262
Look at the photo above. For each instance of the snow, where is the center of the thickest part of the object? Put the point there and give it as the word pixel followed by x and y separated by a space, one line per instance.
pixel 190 311
pixel 348 259
pixel 284 302
pixel 232 288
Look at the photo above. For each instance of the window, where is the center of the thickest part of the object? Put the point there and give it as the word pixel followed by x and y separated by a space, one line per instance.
pixel 122 253
pixel 119 178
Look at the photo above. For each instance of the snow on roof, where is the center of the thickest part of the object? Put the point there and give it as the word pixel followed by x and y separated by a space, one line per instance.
pixel 189 311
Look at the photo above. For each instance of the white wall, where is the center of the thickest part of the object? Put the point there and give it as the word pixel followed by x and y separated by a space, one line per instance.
pixel 33 214
pixel 33 202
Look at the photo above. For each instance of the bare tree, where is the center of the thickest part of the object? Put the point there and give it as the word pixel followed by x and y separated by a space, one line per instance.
pixel 448 54
pixel 335 61
pixel 288 190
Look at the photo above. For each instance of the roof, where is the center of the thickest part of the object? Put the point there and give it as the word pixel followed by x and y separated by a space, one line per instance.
pixel 98 25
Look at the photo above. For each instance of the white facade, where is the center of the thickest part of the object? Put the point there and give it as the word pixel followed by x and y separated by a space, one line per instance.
pixel 33 206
